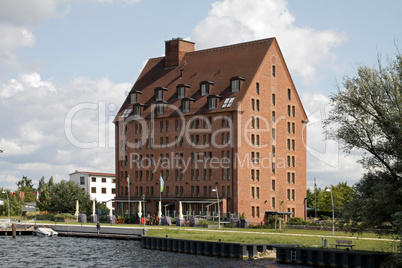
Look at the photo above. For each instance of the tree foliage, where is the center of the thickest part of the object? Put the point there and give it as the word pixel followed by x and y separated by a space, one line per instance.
pixel 25 182
pixel 368 116
pixel 341 194
pixel 63 197
pixel 43 202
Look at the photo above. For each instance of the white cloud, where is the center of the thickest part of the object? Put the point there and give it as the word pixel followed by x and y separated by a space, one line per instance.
pixel 34 139
pixel 234 21
pixel 32 12
pixel 324 158
pixel 109 2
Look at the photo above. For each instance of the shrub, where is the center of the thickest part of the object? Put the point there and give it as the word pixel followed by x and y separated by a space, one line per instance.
pixel 296 221
pixel 258 226
pixel 324 217
pixel 64 216
pixel 45 217
pixel 230 225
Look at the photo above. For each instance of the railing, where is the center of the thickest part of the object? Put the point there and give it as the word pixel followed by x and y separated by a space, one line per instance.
pixel 210 216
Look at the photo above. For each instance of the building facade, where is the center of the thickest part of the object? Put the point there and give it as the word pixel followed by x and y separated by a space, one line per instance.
pixel 100 186
pixel 225 122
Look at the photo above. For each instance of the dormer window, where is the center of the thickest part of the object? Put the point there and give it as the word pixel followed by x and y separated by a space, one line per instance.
pixel 185 105
pixel 134 97
pixel 137 109
pixel 236 83
pixel 205 87
pixel 213 101
pixel 160 108
pixel 181 91
pixel 159 93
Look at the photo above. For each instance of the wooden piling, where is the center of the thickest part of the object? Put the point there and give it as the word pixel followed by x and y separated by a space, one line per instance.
pixel 14 229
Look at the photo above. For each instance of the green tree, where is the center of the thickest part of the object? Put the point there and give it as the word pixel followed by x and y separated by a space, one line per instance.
pixel 64 196
pixel 43 201
pixel 368 113
pixel 25 185
pixel 25 182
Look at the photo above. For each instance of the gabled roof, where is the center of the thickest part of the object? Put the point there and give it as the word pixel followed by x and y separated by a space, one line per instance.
pixel 217 65
pixel 95 173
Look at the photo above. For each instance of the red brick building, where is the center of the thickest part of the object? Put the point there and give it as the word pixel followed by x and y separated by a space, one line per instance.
pixel 227 118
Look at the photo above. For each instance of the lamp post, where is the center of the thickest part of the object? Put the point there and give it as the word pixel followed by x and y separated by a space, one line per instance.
pixel 143 201
pixel 219 210
pixel 8 202
pixel 333 219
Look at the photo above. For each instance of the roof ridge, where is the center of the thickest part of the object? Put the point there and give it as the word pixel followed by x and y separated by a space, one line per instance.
pixel 250 43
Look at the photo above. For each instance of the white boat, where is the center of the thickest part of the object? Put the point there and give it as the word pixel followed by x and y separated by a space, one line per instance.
pixel 45 232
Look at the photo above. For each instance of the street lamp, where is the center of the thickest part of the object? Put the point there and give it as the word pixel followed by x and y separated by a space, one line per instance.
pixel 219 210
pixel 8 202
pixel 333 220
pixel 143 201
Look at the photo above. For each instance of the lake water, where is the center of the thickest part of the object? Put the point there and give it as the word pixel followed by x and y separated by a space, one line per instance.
pixel 30 251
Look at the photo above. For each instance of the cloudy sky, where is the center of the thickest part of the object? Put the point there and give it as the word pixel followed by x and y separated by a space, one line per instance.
pixel 66 66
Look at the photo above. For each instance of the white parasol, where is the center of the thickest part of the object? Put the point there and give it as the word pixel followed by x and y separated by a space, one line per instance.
pixel 139 210
pixel 77 206
pixel 180 212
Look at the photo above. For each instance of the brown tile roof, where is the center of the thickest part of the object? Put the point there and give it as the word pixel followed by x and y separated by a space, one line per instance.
pixel 218 65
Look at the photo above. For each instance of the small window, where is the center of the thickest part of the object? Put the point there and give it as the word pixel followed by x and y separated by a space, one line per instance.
pixel 252 104
pixel 137 111
pixel 257 105
pixel 82 180
pixel 103 190
pixel 204 89
pixel 273 99
pixel 212 103
pixel 93 179
pixel 93 190
pixel 273 185
pixel 235 85
pixel 228 102
pixel 103 180
pixel 289 94
pixel 158 95
pixel 273 202
pixel 133 98
pixel 181 92
pixel 273 71
pixel 160 108
pixel 185 106
pixel 257 88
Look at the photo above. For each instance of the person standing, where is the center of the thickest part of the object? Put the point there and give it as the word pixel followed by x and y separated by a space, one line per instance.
pixel 98 227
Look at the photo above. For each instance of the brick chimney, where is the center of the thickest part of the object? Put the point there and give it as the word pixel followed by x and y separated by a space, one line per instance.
pixel 175 50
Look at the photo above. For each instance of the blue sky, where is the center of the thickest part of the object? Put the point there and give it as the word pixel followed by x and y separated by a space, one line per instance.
pixel 57 56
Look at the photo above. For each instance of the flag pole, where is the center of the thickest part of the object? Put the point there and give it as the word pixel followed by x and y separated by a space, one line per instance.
pixel 128 182
pixel 315 193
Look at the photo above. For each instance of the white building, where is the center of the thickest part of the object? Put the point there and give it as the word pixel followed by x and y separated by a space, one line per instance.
pixel 100 186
